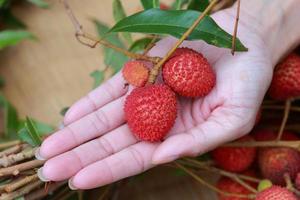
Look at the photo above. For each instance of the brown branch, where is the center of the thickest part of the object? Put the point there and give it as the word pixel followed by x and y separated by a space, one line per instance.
pixel 212 187
pixel 40 193
pixel 155 70
pixel 21 192
pixel 79 33
pixel 20 183
pixel 235 27
pixel 285 118
pixel 5 145
pixel 289 184
pixel 16 169
pixel 291 144
pixel 11 150
pixel 14 158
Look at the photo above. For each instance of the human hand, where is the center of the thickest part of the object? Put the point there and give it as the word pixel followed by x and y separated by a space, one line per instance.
pixel 96 146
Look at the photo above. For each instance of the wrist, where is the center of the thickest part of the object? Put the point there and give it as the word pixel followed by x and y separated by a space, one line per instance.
pixel 275 21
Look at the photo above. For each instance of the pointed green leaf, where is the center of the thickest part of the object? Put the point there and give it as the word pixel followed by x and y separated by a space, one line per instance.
pixel 199 5
pixel 42 128
pixel 148 4
pixel 111 57
pixel 39 3
pixel 141 44
pixel 11 21
pixel 176 23
pixel 10 37
pixel 98 77
pixel 119 14
pixel 30 134
pixel 64 111
pixel 11 120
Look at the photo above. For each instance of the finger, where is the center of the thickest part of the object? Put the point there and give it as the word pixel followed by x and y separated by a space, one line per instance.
pixel 107 92
pixel 223 125
pixel 128 162
pixel 68 164
pixel 89 127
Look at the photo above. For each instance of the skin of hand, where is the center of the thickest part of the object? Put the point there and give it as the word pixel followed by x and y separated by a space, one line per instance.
pixel 96 146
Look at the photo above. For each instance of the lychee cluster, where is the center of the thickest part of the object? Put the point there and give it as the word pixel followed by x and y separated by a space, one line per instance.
pixel 151 109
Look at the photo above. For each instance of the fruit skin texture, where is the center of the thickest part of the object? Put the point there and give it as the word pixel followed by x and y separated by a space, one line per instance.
pixel 135 73
pixel 286 81
pixel 150 112
pixel 276 193
pixel 235 159
pixel 275 162
pixel 297 181
pixel 189 74
pixel 228 185
pixel 183 50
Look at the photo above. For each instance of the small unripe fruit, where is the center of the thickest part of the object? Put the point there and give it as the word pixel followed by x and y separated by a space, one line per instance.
pixel 264 184
pixel 276 193
pixel 189 74
pixel 150 112
pixel 135 73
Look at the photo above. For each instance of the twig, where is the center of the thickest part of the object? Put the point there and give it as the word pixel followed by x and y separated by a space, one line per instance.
pixel 22 191
pixel 223 172
pixel 5 145
pixel 11 150
pixel 155 70
pixel 285 118
pixel 81 34
pixel 221 5
pixel 40 193
pixel 235 27
pixel 24 181
pixel 16 169
pixel 289 184
pixel 14 158
pixel 104 193
pixel 212 187
pixel 291 144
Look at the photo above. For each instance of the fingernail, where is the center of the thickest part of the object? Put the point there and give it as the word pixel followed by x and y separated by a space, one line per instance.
pixel 38 155
pixel 71 186
pixel 158 160
pixel 41 176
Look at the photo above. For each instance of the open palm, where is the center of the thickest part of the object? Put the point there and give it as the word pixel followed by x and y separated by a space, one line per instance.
pixel 96 147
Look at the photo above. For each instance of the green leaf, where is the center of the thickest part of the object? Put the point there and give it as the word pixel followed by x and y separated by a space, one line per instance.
pixel 148 4
pixel 199 5
pixel 42 128
pixel 11 21
pixel 111 57
pixel 39 3
pixel 30 134
pixel 141 44
pixel 98 77
pixel 64 111
pixel 10 37
pixel 176 23
pixel 11 121
pixel 3 3
pixel 119 14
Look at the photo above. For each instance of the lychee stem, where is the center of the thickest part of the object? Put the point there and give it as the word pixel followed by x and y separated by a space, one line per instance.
pixel 93 41
pixel 285 118
pixel 289 184
pixel 235 26
pixel 155 70
pixel 291 144
pixel 210 186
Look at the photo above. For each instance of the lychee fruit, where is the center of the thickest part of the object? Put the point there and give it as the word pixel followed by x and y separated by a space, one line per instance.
pixel 297 181
pixel 235 159
pixel 183 50
pixel 276 161
pixel 276 193
pixel 150 112
pixel 228 185
pixel 189 74
pixel 163 6
pixel 135 73
pixel 286 81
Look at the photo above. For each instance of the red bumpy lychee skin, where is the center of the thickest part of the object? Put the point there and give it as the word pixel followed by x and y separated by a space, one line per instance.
pixel 235 159
pixel 276 161
pixel 135 73
pixel 286 81
pixel 230 186
pixel 189 74
pixel 276 193
pixel 150 112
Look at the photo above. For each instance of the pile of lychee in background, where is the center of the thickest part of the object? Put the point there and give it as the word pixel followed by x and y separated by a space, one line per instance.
pixel 150 111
